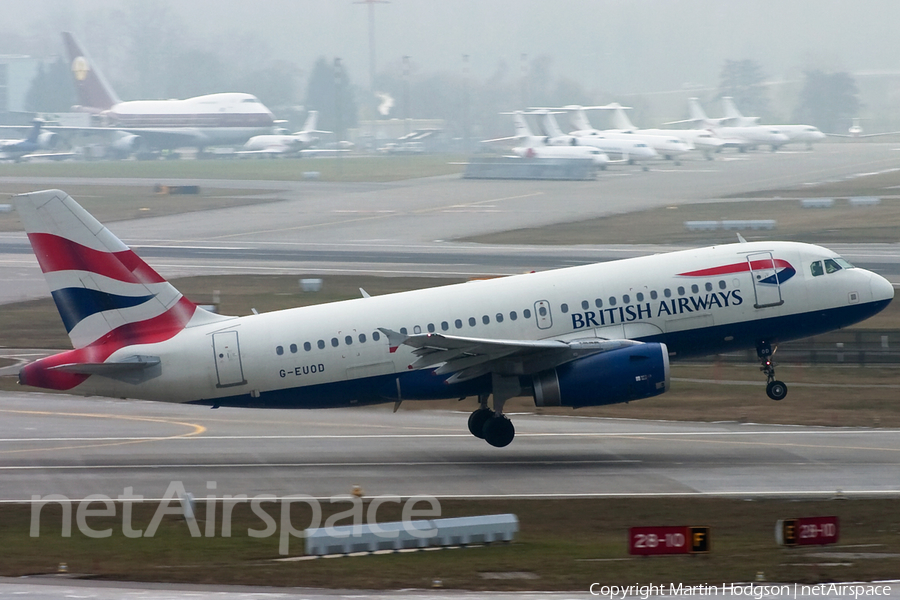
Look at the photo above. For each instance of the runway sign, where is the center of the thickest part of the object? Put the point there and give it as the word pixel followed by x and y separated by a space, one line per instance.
pixel 646 541
pixel 807 531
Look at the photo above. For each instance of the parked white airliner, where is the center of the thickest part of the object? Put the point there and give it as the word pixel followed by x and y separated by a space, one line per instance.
pixel 741 137
pixel 806 134
pixel 580 336
pixel 534 146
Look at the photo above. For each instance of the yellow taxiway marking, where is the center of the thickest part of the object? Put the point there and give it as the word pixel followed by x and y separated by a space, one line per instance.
pixel 195 429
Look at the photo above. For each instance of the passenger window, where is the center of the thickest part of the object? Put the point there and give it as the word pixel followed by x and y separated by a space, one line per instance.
pixel 445 325
pixel 320 344
pixel 307 346
pixel 816 269
pixel 612 300
pixel 362 338
pixel 653 295
pixel 486 320
pixel 526 313
pixel 564 308
pixel 667 293
pixel 585 305
pixel 694 288
pixel 680 291
pixel 626 299
pixel 598 303
pixel 348 340
pixel 458 323
pixel 431 328
pixel 499 317
pixel 640 297
pixel 417 329
pixel 513 316
pixel 293 348
pixel 722 284
pixel 376 336
pixel 279 350
pixel 831 266
pixel 403 330
pixel 471 321
pixel 542 311
pixel 334 342
pixel 708 286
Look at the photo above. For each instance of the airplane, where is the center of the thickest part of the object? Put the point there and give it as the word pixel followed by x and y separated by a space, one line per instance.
pixel 701 139
pixel 742 137
pixel 141 125
pixel 629 150
pixel 856 131
pixel 796 133
pixel 285 144
pixel 668 146
pixel 31 145
pixel 534 146
pixel 579 336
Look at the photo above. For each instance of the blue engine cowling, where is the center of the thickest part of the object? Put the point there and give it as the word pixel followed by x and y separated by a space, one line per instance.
pixel 621 375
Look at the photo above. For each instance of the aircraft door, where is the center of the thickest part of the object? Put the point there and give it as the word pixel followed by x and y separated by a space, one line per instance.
pixel 542 314
pixel 227 353
pixel 766 282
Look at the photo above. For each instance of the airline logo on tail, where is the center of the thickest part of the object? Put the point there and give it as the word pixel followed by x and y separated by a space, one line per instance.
pixel 107 296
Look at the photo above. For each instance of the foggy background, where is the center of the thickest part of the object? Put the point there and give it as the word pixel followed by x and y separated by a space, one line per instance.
pixel 650 54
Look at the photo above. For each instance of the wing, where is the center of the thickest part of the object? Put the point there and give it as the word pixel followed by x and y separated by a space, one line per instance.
pixel 467 358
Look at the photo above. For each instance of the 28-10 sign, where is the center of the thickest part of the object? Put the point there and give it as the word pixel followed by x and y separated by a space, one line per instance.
pixel 807 531
pixel 668 540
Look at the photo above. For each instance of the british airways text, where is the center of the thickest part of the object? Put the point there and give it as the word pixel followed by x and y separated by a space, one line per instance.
pixel 670 307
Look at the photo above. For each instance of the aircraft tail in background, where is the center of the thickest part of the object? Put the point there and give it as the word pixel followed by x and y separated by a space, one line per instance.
pixel 94 92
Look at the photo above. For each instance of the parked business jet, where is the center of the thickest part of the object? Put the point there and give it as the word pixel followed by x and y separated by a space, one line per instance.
pixel 627 150
pixel 32 145
pixel 580 336
pixel 535 146
pixel 701 139
pixel 806 134
pixel 285 144
pixel 214 119
pixel 667 146
pixel 743 137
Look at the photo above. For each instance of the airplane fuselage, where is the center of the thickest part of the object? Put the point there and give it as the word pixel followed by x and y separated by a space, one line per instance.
pixel 700 301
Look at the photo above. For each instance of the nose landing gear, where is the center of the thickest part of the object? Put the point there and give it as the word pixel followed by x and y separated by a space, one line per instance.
pixel 776 390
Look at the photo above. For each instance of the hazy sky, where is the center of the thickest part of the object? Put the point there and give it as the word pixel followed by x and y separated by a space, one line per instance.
pixel 621 46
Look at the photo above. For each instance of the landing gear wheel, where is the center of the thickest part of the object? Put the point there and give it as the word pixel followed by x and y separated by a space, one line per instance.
pixel 499 431
pixel 477 420
pixel 776 390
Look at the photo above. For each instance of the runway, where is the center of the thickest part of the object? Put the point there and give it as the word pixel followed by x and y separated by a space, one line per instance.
pixel 56 444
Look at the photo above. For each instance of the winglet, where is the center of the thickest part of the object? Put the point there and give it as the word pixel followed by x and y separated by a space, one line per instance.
pixel 394 338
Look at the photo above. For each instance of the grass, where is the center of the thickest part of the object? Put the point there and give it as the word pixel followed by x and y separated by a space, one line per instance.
pixel 562 545
pixel 118 203
pixel 348 168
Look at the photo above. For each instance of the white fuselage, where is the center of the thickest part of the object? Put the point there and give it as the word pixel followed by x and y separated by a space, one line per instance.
pixel 538 151
pixel 695 301
pixel 664 145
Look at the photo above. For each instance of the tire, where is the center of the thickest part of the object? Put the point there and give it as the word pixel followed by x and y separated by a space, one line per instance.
pixel 499 431
pixel 477 420
pixel 776 390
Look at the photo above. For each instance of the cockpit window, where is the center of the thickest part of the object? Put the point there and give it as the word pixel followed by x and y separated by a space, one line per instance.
pixel 844 263
pixel 831 266
pixel 816 269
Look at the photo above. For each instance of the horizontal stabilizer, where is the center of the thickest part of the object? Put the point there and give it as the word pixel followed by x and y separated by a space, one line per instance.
pixel 109 369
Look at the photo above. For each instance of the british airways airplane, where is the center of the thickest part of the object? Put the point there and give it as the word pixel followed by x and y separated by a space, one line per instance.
pixel 580 336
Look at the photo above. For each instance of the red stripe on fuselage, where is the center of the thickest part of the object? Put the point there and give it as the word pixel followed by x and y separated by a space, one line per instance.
pixel 740 267
pixel 56 253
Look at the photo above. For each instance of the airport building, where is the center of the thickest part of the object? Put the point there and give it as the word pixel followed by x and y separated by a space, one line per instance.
pixel 17 72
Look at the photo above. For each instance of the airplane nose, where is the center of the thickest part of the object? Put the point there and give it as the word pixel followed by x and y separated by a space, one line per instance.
pixel 882 289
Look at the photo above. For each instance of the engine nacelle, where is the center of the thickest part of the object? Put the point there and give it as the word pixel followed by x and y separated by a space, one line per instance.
pixel 47 140
pixel 629 373
pixel 126 144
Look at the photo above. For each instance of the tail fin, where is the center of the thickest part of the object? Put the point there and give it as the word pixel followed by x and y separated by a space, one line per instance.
pixel 729 108
pixel 697 112
pixel 549 125
pixel 522 128
pixel 93 90
pixel 578 119
pixel 35 131
pixel 311 120
pixel 620 118
pixel 105 294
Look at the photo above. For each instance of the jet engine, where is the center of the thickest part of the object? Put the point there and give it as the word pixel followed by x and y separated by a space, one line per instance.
pixel 629 373
pixel 126 145
pixel 47 140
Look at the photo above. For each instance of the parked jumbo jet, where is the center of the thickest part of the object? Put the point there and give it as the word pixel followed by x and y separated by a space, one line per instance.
pixel 580 336
pixel 214 119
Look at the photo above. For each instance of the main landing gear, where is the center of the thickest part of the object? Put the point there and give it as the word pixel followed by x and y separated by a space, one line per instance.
pixel 776 390
pixel 490 425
